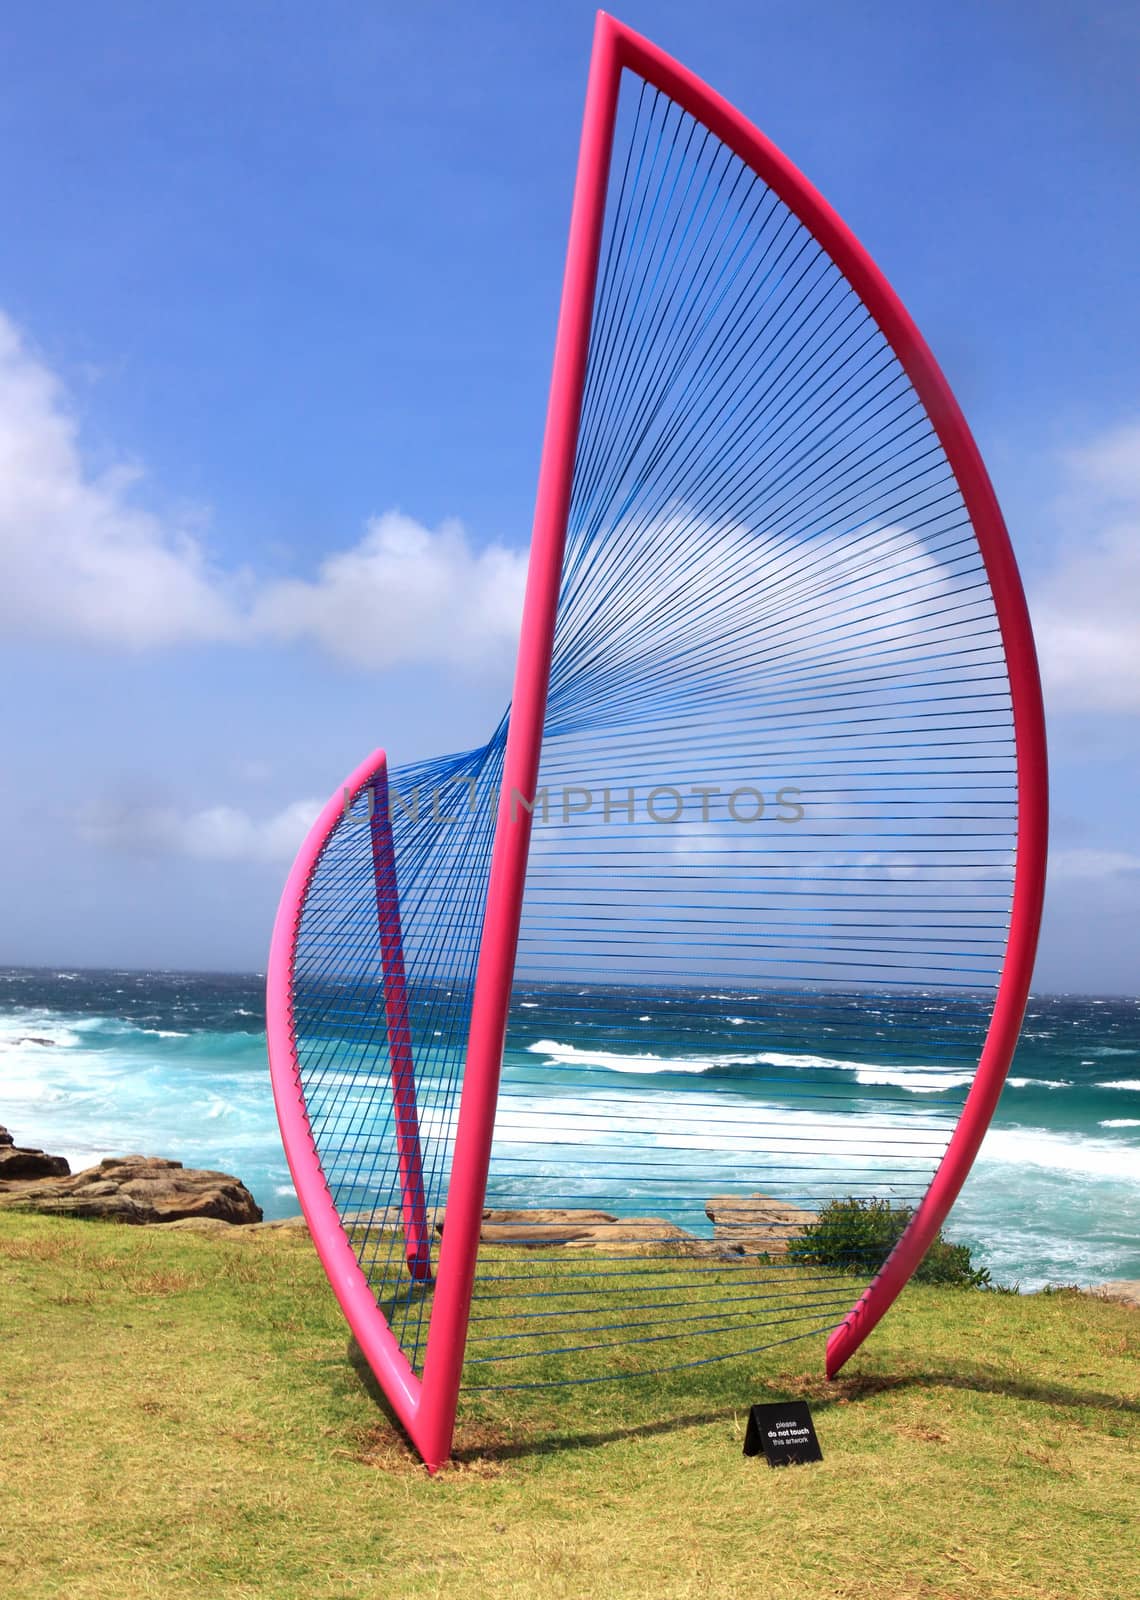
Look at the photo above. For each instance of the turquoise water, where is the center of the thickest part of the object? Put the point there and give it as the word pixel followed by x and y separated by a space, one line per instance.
pixel 173 1064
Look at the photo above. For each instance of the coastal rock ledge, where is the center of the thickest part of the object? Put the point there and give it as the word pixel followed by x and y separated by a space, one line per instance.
pixel 21 1165
pixel 134 1189
pixel 756 1224
pixel 1121 1292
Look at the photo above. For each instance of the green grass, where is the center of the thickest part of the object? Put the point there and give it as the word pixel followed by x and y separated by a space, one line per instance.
pixel 180 1415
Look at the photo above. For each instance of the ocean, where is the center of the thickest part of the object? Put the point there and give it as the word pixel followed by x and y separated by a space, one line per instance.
pixel 173 1064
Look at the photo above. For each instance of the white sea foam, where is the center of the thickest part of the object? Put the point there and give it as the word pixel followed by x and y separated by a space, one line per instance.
pixel 101 1086
pixel 33 1031
pixel 604 1134
pixel 1121 1083
pixel 915 1082
pixel 91 1087
pixel 1060 1152
pixel 780 1058
pixel 913 1079
pixel 610 1131
pixel 612 1061
pixel 615 1128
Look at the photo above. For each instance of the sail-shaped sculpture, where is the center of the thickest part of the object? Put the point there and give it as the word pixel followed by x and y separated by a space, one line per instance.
pixel 735 913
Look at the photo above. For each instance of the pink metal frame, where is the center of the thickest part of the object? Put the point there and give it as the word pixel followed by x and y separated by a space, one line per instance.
pixel 417 1234
pixel 428 1410
pixel 349 1283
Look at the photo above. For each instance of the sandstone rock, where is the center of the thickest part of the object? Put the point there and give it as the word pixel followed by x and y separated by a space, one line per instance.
pixel 21 1165
pixel 633 1232
pixel 389 1217
pixel 580 1228
pixel 1121 1291
pixel 551 1214
pixel 135 1189
pixel 542 1226
pixel 595 1229
pixel 755 1224
pixel 530 1234
pixel 234 1230
pixel 767 1224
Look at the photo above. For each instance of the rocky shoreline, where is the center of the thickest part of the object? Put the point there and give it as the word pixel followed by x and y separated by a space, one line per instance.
pixel 148 1190
pixel 151 1191
pixel 131 1189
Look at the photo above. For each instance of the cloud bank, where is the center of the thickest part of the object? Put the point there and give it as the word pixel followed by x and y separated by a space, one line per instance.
pixel 77 558
pixel 214 833
pixel 80 559
pixel 403 593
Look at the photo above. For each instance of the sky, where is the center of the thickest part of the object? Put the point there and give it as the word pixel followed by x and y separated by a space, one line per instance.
pixel 277 295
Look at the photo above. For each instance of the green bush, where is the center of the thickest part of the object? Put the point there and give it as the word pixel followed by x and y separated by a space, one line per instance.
pixel 862 1233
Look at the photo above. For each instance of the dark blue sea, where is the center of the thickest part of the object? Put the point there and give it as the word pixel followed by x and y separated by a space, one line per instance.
pixel 173 1064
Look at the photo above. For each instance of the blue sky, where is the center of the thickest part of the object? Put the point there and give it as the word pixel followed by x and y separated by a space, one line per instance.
pixel 278 288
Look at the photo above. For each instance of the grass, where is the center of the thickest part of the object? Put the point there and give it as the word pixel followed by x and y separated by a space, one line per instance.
pixel 181 1414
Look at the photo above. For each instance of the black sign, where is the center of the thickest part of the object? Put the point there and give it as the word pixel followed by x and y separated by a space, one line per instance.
pixel 784 1432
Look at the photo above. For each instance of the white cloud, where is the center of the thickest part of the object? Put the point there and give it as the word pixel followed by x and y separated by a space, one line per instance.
pixel 1092 864
pixel 215 833
pixel 763 607
pixel 402 594
pixel 1085 613
pixel 77 558
pixel 1112 463
pixel 80 559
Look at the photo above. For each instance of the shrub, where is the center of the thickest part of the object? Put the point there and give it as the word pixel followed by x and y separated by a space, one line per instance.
pixel 862 1233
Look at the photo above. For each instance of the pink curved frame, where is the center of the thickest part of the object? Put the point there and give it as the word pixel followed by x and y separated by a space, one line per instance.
pixel 348 1281
pixel 413 1200
pixel 428 1410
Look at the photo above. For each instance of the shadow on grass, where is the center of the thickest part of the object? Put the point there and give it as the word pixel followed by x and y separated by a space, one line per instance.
pixel 477 1442
pixel 823 1395
pixel 841 1391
